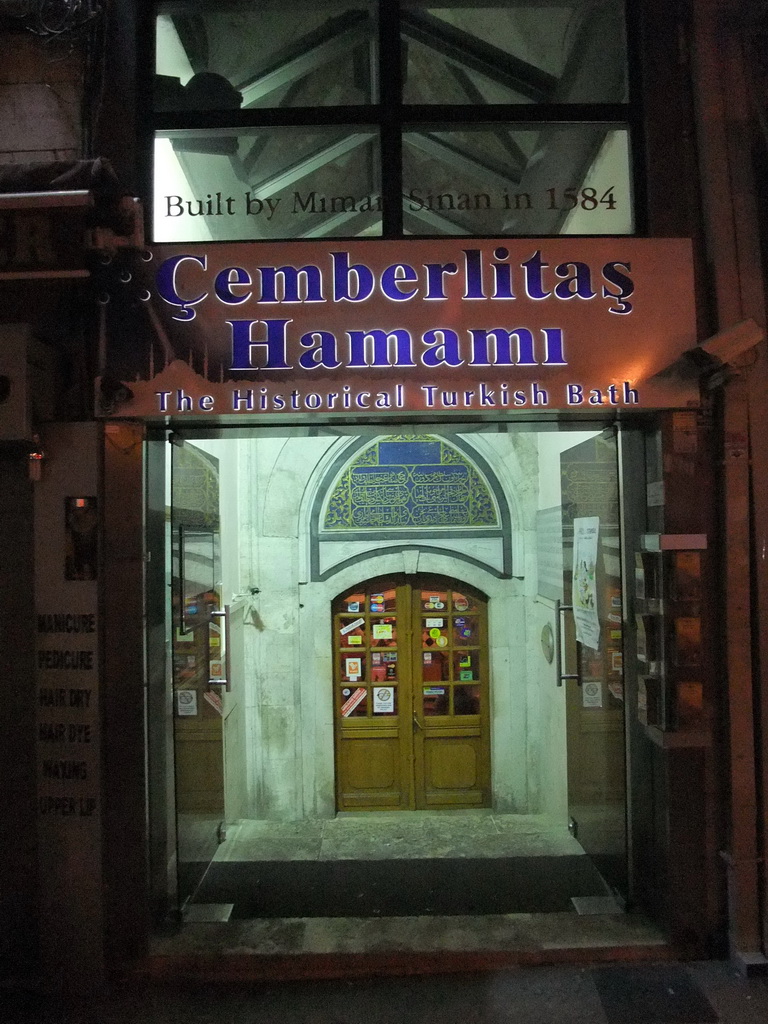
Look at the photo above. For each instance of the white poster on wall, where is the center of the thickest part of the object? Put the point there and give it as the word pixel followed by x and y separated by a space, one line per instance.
pixel 584 594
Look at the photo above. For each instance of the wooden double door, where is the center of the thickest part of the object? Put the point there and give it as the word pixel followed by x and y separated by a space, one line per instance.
pixel 411 695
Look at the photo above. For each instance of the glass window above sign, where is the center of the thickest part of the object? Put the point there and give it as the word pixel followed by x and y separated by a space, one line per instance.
pixel 224 54
pixel 226 185
pixel 391 118
pixel 518 180
pixel 482 53
pixel 223 185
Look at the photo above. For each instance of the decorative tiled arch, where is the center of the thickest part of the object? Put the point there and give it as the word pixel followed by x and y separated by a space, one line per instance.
pixel 407 482
pixel 407 491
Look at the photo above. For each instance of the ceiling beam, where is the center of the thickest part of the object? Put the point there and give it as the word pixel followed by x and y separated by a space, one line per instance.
pixel 315 50
pixel 485 171
pixel 469 52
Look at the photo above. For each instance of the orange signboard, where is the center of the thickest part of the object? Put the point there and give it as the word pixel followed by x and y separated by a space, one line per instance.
pixel 370 327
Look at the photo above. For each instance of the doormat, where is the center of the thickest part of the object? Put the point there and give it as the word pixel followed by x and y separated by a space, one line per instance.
pixel 400 888
pixel 652 995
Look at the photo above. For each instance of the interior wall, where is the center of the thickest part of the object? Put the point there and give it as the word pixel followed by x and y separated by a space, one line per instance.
pixel 549 740
pixel 268 487
pixel 288 652
pixel 285 692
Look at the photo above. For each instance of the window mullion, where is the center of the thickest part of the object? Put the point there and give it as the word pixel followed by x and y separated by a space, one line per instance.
pixel 390 104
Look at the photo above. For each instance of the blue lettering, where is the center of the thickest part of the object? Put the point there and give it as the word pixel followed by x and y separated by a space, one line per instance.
pixel 342 272
pixel 446 351
pixel 435 273
pixel 534 285
pixel 625 286
pixel 323 350
pixel 360 342
pixel 168 291
pixel 473 274
pixel 292 279
pixel 243 344
pixel 394 276
pixel 226 280
pixel 577 283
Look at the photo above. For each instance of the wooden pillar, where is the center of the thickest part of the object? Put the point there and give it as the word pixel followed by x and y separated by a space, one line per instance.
pixel 735 270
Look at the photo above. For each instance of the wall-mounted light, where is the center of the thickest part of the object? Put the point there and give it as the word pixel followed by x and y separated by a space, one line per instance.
pixel 35 460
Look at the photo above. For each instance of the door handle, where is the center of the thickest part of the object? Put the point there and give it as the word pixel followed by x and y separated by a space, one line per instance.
pixel 223 613
pixel 416 723
pixel 560 609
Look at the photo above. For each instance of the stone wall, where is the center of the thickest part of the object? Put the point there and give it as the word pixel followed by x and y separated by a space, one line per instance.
pixel 288 638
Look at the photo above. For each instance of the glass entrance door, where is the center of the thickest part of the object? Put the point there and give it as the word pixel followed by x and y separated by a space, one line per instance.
pixel 411 696
pixel 593 625
pixel 197 652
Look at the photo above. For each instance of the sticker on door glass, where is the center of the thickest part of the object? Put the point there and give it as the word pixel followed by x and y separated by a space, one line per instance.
pixel 353 701
pixel 382 631
pixel 186 703
pixel 592 694
pixel 584 587
pixel 434 623
pixel 353 669
pixel 350 626
pixel 377 602
pixel 460 603
pixel 383 700
pixel 214 699
pixel 434 701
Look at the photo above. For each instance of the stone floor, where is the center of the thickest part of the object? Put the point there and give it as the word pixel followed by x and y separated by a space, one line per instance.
pixel 383 835
pixel 596 924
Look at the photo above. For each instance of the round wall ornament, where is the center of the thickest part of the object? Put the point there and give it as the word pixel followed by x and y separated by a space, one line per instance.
pixel 548 643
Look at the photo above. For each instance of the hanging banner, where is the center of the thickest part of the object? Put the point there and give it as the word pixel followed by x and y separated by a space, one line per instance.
pixel 584 594
pixel 376 327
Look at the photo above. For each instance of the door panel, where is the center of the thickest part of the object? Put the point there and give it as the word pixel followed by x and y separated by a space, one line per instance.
pixel 451 669
pixel 595 714
pixel 411 697
pixel 235 767
pixel 371 769
pixel 197 647
pixel 371 698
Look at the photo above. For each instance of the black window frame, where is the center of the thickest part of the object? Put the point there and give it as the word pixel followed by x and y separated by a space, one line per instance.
pixel 393 118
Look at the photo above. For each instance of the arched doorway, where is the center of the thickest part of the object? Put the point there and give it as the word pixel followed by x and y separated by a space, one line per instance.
pixel 411 695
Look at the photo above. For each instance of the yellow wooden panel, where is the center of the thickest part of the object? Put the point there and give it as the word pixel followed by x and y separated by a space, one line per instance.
pixel 370 764
pixel 451 764
pixel 199 771
pixel 370 774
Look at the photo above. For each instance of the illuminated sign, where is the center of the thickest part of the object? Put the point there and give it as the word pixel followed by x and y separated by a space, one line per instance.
pixel 407 326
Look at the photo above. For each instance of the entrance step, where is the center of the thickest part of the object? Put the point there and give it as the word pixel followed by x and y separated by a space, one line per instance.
pixel 346 947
